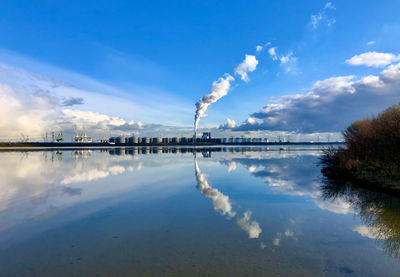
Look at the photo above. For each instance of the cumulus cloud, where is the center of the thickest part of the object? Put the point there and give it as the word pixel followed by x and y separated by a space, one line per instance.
pixel 20 113
pixel 230 123
pixel 33 104
pixel 251 227
pixel 250 121
pixel 323 16
pixel 34 114
pixel 373 59
pixel 249 64
pixel 318 110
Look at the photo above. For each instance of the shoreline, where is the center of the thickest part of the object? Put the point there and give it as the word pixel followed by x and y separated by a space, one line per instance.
pixel 59 145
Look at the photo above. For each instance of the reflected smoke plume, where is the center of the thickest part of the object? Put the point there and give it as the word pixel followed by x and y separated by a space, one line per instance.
pixel 251 227
pixel 222 204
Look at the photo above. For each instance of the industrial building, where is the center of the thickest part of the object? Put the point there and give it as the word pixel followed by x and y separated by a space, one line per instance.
pixel 206 138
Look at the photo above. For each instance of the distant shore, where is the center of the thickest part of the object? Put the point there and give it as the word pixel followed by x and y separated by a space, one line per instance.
pixel 105 144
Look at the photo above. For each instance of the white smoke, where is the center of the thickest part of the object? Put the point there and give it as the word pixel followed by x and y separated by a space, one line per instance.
pixel 249 64
pixel 219 89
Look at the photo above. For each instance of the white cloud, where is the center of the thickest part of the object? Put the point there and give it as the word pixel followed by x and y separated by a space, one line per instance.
pixel 272 53
pixel 317 110
pixel 249 64
pixel 230 123
pixel 259 48
pixel 91 95
pixel 329 5
pixel 250 121
pixel 34 114
pixel 33 105
pixel 288 61
pixel 373 59
pixel 371 42
pixel 323 16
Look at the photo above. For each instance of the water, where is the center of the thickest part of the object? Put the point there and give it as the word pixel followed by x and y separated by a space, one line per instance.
pixel 242 211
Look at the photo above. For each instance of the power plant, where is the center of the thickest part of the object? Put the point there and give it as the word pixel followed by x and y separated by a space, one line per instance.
pixel 206 138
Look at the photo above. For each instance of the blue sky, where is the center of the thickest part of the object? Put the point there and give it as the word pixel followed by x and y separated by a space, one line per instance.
pixel 164 55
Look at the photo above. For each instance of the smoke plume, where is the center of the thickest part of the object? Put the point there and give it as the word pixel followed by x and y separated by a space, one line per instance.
pixel 249 64
pixel 221 87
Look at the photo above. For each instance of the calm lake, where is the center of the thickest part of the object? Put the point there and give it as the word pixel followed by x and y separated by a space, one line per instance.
pixel 222 211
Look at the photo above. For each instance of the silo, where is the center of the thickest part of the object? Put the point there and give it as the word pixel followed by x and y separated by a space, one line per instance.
pixel 175 140
pixel 120 139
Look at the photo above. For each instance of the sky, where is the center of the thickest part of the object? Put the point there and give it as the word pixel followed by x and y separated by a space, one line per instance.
pixel 252 68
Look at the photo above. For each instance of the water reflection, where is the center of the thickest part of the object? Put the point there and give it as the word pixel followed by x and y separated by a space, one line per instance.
pixel 222 204
pixel 220 201
pixel 379 212
pixel 137 199
pixel 290 174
